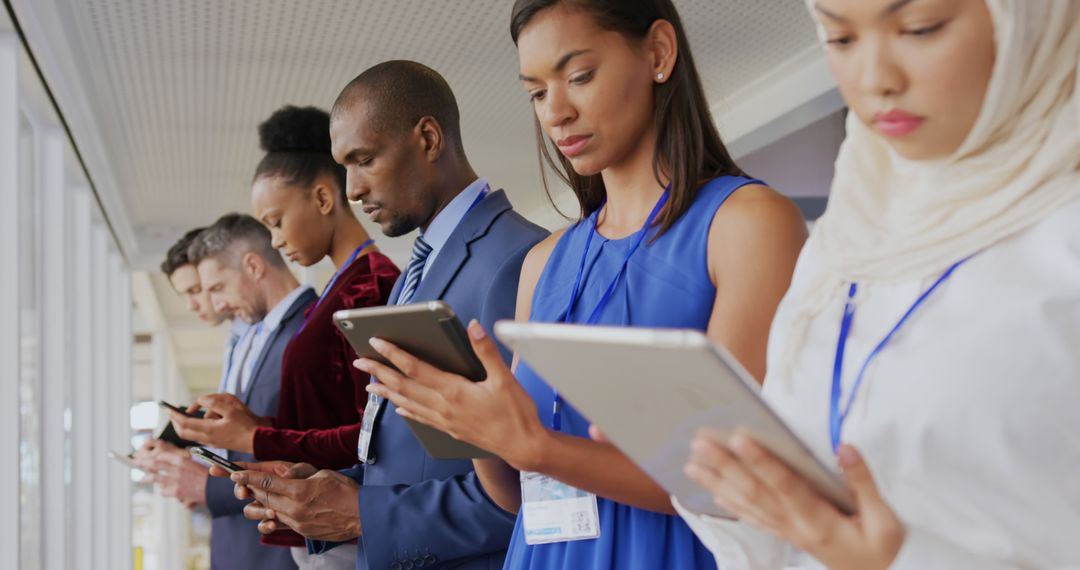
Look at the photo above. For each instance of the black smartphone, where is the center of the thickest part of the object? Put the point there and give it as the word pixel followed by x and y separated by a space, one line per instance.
pixel 215 459
pixel 169 432
pixel 184 411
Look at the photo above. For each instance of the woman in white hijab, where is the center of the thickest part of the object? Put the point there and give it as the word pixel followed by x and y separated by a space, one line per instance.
pixel 934 318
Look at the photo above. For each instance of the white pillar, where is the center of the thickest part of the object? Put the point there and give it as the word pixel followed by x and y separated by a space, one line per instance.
pixel 119 481
pixel 56 277
pixel 9 303
pixel 99 279
pixel 82 401
pixel 171 517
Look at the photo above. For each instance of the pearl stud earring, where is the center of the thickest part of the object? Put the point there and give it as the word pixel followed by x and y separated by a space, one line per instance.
pixel 659 76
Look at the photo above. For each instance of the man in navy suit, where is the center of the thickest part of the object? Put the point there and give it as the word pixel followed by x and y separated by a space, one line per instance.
pixel 396 130
pixel 246 277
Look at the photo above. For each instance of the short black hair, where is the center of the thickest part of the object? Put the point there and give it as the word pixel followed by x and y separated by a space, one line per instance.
pixel 297 145
pixel 401 93
pixel 177 255
pixel 229 231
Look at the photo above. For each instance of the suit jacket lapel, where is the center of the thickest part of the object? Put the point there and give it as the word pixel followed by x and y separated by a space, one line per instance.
pixel 298 306
pixel 397 287
pixel 455 252
pixel 453 255
pixel 259 363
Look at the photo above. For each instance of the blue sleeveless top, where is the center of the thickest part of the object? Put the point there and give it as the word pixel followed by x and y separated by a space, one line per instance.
pixel 666 284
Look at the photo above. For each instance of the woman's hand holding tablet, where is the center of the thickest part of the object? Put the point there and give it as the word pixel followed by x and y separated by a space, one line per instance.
pixel 754 485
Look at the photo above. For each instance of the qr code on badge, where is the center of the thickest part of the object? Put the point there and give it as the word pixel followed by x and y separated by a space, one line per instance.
pixel 582 523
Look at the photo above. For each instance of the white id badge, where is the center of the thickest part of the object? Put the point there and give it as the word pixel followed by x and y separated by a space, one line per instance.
pixel 367 427
pixel 556 512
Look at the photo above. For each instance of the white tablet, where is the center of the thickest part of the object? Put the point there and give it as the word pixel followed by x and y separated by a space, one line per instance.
pixel 649 390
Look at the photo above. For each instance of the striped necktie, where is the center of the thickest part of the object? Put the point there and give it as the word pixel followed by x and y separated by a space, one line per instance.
pixel 420 252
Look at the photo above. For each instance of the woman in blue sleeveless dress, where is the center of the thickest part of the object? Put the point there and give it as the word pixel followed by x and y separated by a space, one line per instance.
pixel 665 284
pixel 673 235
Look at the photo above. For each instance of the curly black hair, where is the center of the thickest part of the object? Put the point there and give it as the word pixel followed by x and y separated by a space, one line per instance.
pixel 297 145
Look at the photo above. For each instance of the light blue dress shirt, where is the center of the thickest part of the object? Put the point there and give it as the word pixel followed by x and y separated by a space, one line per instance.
pixel 446 221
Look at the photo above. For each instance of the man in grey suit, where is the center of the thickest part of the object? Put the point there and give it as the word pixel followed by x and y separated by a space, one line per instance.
pixel 246 277
pixel 396 130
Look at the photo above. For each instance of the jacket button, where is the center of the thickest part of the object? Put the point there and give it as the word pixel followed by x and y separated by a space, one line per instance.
pixel 406 565
pixel 430 559
pixel 395 566
pixel 418 562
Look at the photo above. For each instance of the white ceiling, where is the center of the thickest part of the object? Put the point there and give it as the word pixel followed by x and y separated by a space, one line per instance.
pixel 164 97
pixel 174 90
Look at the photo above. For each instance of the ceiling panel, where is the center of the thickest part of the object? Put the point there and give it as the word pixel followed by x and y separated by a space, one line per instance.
pixel 169 95
pixel 178 87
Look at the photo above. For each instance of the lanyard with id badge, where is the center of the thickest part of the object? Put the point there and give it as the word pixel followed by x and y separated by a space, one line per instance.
pixel 553 511
pixel 375 404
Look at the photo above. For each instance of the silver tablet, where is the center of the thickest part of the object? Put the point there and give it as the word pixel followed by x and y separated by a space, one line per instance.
pixel 649 390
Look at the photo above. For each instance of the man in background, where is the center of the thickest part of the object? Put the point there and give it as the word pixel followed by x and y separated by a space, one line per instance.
pixel 242 275
pixel 169 467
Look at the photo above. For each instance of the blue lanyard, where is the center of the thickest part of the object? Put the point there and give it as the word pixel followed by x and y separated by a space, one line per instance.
pixel 594 316
pixel 837 417
pixel 330 285
pixel 479 198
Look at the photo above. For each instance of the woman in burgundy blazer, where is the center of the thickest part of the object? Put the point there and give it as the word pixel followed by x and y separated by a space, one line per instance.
pixel 299 193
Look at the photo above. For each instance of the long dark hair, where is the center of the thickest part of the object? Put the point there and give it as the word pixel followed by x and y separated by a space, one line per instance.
pixel 688 146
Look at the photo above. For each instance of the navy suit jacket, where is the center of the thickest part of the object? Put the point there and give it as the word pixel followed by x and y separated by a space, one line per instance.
pixel 234 540
pixel 420 512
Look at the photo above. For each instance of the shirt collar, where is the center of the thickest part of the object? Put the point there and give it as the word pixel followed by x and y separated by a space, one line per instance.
pixel 447 220
pixel 237 328
pixel 272 319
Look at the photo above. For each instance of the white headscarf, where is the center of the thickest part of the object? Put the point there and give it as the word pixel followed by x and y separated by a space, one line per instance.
pixel 891 219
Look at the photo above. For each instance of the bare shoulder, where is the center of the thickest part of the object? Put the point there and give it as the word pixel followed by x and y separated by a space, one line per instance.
pixel 755 224
pixel 531 269
pixel 758 206
pixel 537 257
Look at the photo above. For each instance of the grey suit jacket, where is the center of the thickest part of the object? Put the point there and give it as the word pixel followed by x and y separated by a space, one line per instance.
pixel 420 512
pixel 234 540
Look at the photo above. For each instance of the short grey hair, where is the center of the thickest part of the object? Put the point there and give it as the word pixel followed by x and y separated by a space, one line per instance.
pixel 232 236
